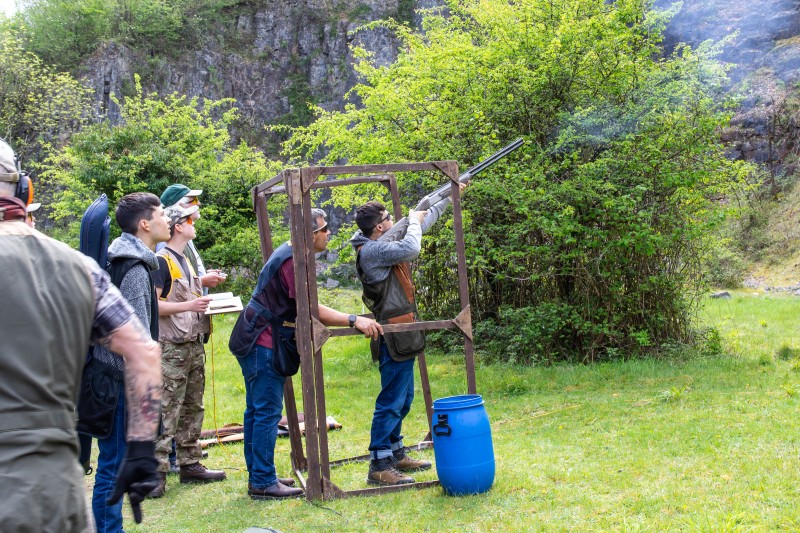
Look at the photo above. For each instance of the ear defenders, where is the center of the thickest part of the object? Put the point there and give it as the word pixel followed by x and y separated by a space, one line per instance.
pixel 24 187
pixel 24 190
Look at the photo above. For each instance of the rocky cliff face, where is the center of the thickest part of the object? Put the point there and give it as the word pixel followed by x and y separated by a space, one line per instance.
pixel 274 57
pixel 271 59
pixel 765 60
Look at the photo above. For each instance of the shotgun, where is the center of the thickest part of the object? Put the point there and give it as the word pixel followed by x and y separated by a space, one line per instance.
pixel 398 230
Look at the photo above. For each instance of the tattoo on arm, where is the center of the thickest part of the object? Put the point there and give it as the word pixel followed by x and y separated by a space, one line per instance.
pixel 148 410
pixel 142 378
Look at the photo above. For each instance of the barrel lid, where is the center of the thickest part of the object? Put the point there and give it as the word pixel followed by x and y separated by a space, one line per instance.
pixel 458 402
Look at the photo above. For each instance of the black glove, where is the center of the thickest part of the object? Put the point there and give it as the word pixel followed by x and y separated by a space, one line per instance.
pixel 137 476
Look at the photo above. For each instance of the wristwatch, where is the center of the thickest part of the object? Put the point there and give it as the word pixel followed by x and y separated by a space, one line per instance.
pixel 352 320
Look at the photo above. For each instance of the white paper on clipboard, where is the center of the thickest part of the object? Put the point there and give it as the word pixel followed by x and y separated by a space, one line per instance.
pixel 224 302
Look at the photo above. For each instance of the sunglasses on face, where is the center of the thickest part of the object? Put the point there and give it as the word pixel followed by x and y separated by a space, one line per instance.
pixel 323 228
pixel 384 219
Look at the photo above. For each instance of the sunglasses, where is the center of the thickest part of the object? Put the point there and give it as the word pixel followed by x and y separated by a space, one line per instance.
pixel 323 228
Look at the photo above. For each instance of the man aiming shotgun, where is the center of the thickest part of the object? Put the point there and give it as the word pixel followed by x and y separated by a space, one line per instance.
pixel 383 252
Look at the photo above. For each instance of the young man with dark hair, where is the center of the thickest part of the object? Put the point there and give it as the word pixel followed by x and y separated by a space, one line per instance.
pixel 181 326
pixel 132 260
pixel 385 274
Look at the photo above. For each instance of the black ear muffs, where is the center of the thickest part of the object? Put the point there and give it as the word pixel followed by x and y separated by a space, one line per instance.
pixel 24 190
pixel 24 187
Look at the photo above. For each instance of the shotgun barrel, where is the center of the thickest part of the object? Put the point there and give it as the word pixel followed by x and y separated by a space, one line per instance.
pixel 398 230
pixel 444 191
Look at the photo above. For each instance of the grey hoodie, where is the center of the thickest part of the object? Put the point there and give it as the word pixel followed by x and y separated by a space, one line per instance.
pixel 378 257
pixel 135 286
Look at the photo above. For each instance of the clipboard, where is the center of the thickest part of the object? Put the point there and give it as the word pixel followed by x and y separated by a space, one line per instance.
pixel 224 302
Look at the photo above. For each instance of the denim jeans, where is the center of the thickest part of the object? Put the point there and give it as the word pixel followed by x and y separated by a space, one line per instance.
pixel 392 405
pixel 108 518
pixel 264 399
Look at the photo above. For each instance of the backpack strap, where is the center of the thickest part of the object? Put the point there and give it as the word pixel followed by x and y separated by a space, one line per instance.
pixel 118 268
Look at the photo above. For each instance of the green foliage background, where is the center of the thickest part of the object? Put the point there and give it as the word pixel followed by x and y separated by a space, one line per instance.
pixel 160 142
pixel 39 107
pixel 65 31
pixel 587 243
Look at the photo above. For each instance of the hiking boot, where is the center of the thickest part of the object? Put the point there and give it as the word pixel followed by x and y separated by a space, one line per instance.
pixel 383 472
pixel 278 491
pixel 288 481
pixel 161 488
pixel 405 463
pixel 197 473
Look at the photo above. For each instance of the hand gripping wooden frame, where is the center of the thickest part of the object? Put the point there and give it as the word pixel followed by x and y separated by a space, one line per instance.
pixel 312 334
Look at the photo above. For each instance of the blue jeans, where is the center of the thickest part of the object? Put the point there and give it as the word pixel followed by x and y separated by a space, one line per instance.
pixel 392 405
pixel 264 398
pixel 108 518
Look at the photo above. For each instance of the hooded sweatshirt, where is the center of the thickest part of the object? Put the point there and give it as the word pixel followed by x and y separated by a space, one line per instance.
pixel 378 257
pixel 135 286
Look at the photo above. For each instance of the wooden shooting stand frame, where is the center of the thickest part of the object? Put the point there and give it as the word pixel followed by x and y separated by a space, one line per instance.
pixel 312 334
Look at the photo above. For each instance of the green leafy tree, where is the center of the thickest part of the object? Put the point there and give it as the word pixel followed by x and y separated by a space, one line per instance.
pixel 64 31
pixel 586 243
pixel 158 143
pixel 38 106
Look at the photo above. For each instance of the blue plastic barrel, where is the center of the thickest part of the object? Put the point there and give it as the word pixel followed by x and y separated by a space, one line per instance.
pixel 462 444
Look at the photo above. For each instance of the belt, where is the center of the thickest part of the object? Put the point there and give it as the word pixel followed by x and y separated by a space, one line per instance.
pixel 56 418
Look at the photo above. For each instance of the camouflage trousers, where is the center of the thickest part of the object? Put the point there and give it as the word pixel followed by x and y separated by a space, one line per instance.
pixel 183 371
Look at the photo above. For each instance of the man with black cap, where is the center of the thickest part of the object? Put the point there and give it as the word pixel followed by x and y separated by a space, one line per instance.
pixel 55 302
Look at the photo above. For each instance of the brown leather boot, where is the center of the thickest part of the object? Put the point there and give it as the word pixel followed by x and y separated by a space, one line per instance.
pixel 288 481
pixel 405 463
pixel 197 473
pixel 161 488
pixel 278 491
pixel 383 472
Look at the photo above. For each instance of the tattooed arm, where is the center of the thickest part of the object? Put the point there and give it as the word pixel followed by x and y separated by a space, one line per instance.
pixel 142 378
pixel 117 328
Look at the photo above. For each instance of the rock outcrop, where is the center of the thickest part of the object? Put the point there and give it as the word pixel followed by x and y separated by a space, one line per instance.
pixel 274 58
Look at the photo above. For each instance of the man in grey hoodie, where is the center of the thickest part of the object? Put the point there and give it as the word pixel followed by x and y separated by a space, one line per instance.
pixel 385 274
pixel 131 258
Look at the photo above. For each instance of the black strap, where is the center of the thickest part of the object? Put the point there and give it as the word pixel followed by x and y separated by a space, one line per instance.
pixel 275 320
pixel 118 268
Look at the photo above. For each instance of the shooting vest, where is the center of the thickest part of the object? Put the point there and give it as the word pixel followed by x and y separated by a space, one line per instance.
pixel 47 315
pixel 392 302
pixel 260 310
pixel 186 286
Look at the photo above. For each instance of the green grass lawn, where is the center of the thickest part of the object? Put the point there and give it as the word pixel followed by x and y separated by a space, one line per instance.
pixel 687 443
